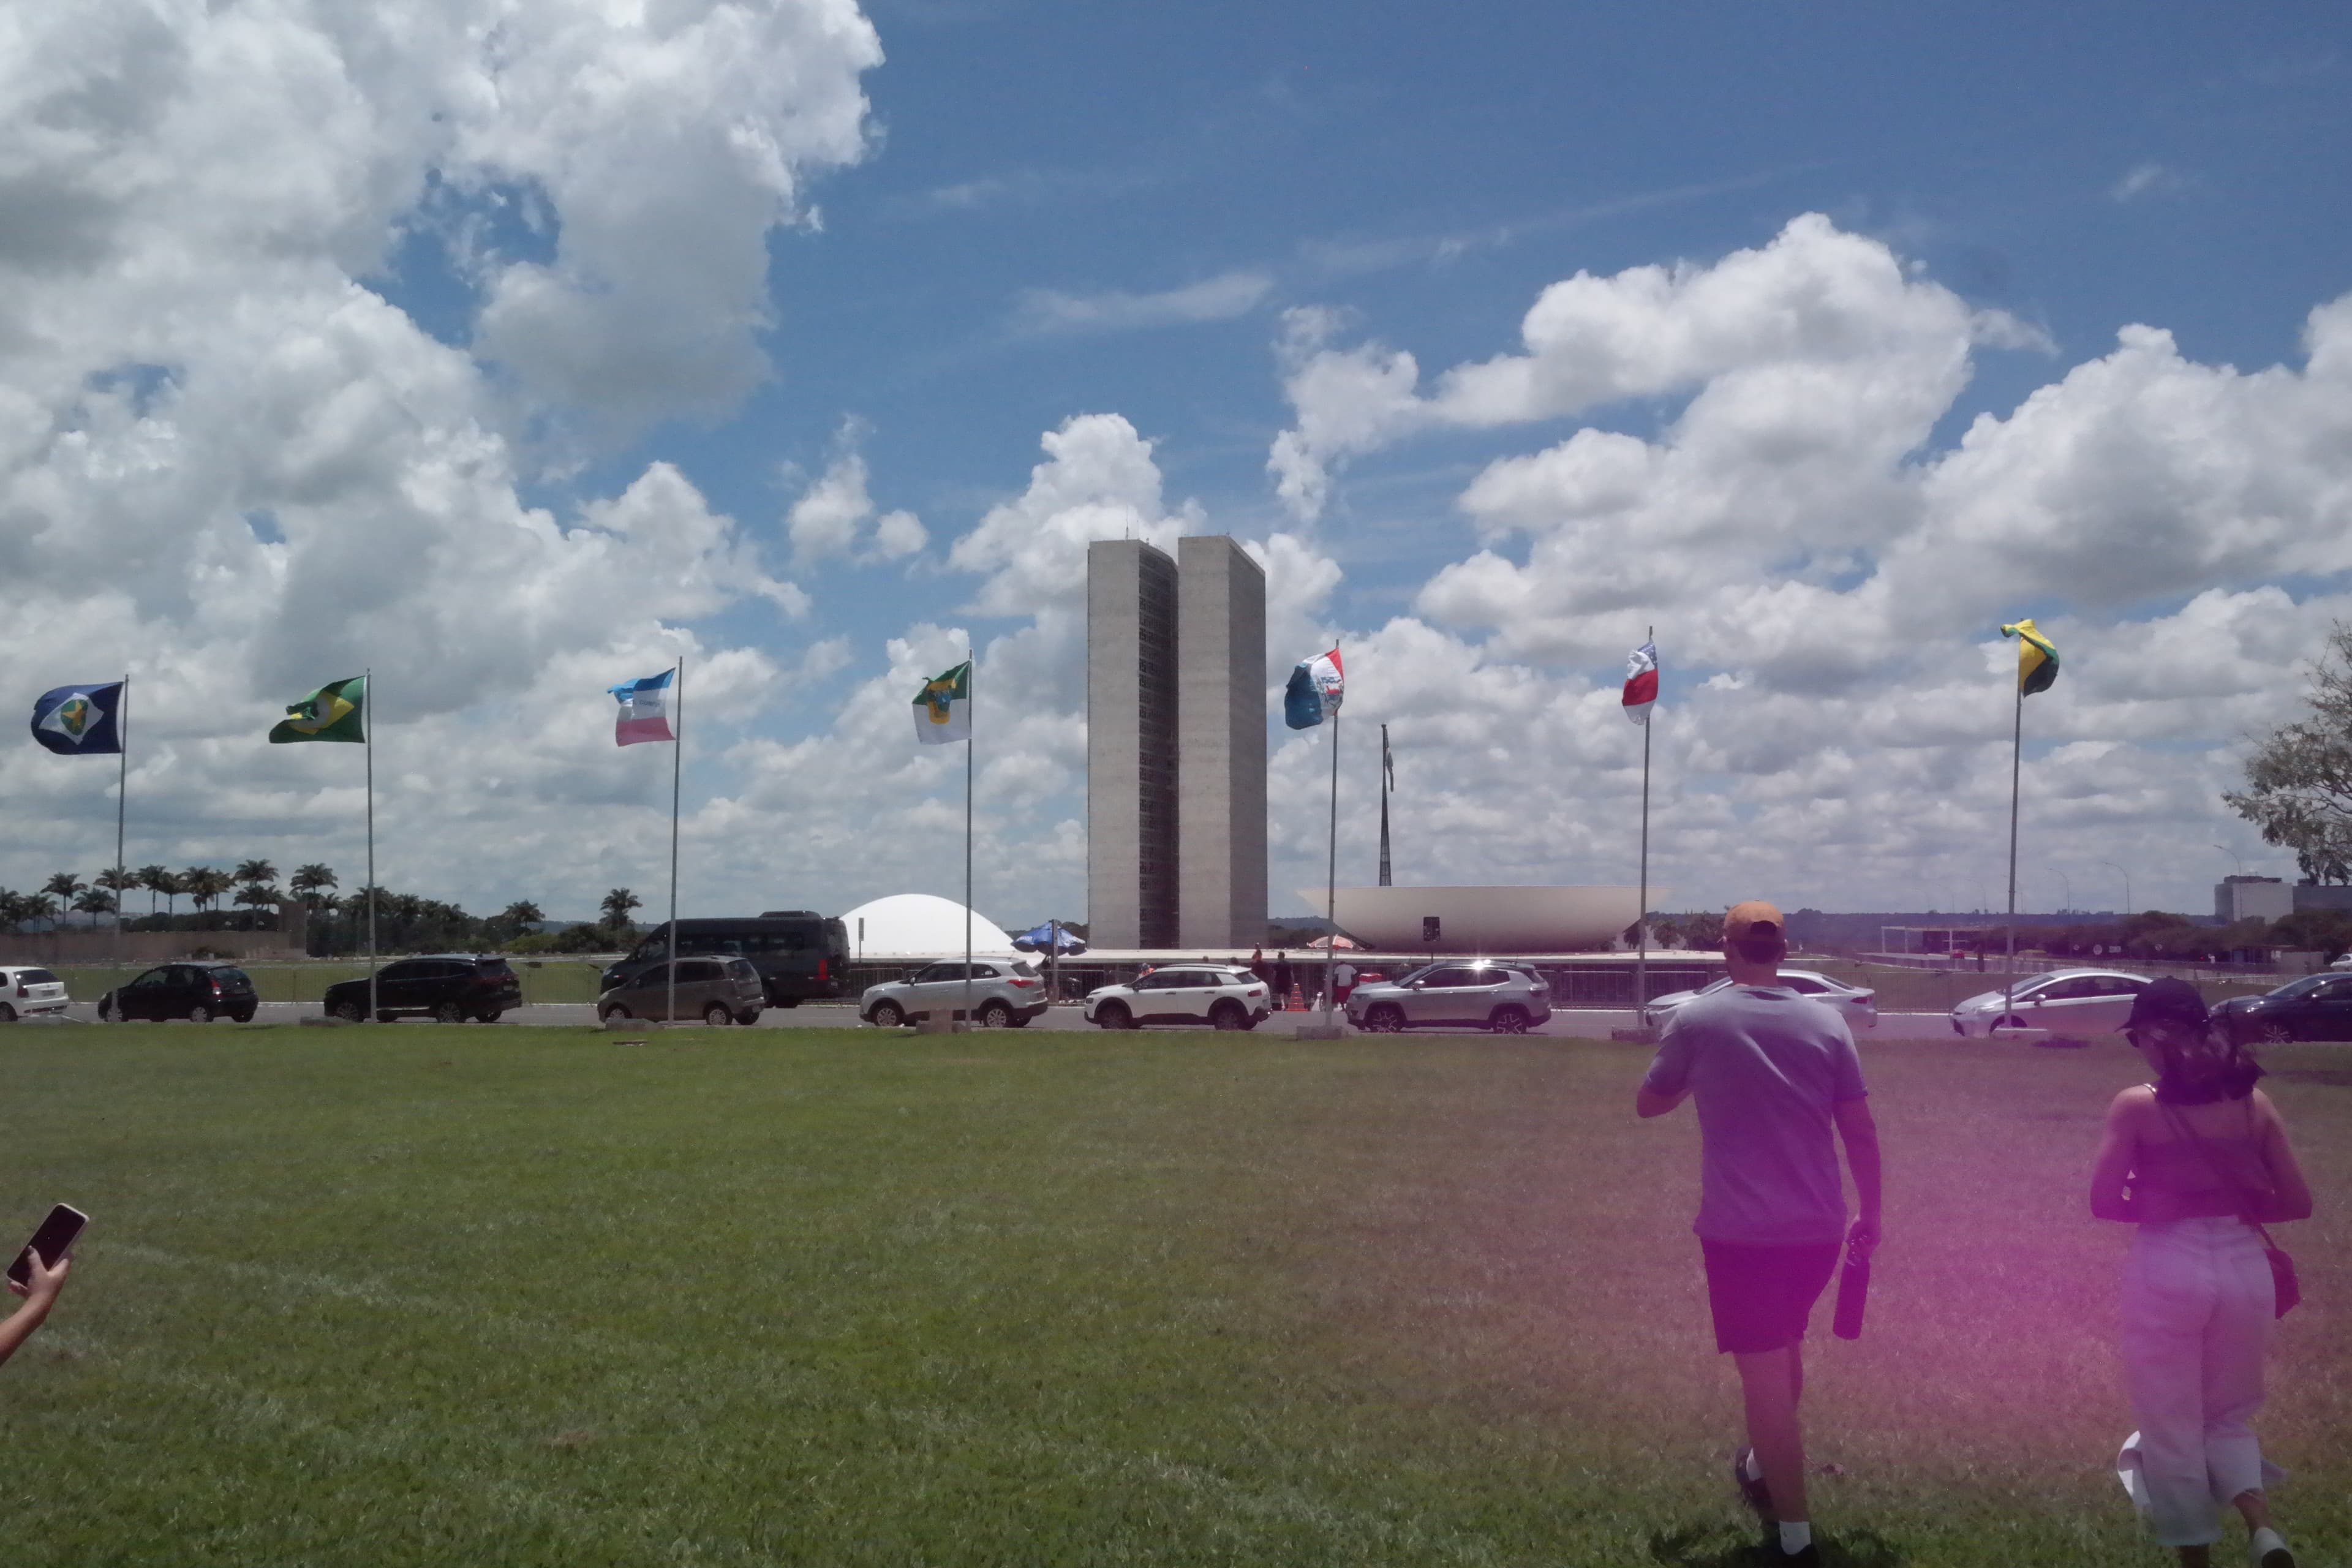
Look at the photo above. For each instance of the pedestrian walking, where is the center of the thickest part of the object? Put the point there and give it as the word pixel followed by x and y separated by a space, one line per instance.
pixel 1773 1073
pixel 1343 979
pixel 1282 978
pixel 2198 1160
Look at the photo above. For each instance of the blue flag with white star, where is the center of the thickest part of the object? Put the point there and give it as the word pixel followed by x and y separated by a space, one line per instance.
pixel 80 721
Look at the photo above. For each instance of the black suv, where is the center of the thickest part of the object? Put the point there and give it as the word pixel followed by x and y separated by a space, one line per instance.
pixel 449 987
pixel 196 992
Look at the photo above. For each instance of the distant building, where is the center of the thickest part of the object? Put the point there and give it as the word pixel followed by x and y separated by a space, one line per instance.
pixel 1175 746
pixel 2239 898
pixel 2323 896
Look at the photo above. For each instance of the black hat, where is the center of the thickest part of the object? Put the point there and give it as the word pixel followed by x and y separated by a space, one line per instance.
pixel 2168 1001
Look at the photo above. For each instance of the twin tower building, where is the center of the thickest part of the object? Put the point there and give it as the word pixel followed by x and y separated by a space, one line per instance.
pixel 1175 746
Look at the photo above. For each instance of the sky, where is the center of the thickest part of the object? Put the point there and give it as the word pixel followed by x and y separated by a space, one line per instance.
pixel 511 349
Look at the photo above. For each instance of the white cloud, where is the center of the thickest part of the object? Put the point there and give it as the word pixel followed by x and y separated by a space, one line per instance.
pixel 2143 180
pixel 836 516
pixel 1218 298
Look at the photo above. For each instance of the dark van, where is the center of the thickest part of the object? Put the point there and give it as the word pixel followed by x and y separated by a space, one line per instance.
pixel 799 954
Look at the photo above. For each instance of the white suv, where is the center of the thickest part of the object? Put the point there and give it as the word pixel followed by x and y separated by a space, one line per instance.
pixel 26 993
pixel 1003 993
pixel 1223 996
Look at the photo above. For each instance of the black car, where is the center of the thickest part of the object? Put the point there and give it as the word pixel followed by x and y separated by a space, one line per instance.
pixel 196 992
pixel 801 956
pixel 450 987
pixel 2314 1007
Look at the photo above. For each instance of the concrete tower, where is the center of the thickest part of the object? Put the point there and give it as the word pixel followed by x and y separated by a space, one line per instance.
pixel 1220 745
pixel 1132 651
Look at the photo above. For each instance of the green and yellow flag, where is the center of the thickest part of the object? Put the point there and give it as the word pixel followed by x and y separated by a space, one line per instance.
pixel 336 711
pixel 2037 662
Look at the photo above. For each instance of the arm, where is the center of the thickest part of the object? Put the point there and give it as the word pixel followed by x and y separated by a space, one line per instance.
pixel 2113 1167
pixel 1668 1082
pixel 1859 1131
pixel 1649 1102
pixel 2290 1193
pixel 41 1295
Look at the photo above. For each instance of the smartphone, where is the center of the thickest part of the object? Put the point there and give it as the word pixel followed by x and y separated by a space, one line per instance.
pixel 53 1240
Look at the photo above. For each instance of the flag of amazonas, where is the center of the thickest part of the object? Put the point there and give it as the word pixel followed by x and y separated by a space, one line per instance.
pixel 2037 662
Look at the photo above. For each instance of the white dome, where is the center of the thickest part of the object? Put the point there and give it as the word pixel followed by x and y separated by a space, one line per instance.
pixel 920 925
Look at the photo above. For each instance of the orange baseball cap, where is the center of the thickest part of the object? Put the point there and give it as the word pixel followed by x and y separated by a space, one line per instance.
pixel 1745 919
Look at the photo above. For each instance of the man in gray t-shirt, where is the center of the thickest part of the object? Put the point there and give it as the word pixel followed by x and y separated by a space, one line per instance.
pixel 1773 1073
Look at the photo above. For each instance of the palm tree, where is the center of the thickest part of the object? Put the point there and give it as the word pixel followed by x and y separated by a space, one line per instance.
pixel 153 878
pixel 94 902
pixel 310 883
pixel 204 885
pixel 253 873
pixel 617 905
pixel 63 885
pixel 522 914
pixel 11 908
pixel 172 884
pixel 39 906
pixel 255 897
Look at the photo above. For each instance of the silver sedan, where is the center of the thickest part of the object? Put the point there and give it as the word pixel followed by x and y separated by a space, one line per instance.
pixel 1857 1005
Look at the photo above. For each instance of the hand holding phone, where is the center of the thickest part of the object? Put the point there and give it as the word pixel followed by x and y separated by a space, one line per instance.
pixel 50 1245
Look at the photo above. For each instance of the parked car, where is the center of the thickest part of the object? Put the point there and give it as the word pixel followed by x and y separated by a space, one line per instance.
pixel 2065 1002
pixel 196 992
pixel 449 986
pixel 1005 992
pixel 1507 998
pixel 26 993
pixel 714 990
pixel 2309 1007
pixel 1221 995
pixel 1857 1005
pixel 801 956
pixel 2343 963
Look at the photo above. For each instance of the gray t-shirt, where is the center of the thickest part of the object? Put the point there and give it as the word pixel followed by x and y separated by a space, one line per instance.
pixel 1765 1065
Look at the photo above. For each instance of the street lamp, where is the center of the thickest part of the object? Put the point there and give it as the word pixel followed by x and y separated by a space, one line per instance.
pixel 2235 856
pixel 2126 876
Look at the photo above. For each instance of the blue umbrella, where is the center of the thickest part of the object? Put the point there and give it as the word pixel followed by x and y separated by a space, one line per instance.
pixel 1046 938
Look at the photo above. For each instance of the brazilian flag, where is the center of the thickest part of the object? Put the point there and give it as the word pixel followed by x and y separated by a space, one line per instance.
pixel 336 711
pixel 2037 662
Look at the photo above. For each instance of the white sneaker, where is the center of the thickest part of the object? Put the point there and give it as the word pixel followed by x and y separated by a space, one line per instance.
pixel 2268 1550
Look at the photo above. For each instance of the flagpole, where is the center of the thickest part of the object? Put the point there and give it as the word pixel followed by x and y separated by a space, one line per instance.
pixel 1642 914
pixel 1331 879
pixel 367 723
pixel 677 778
pixel 1384 806
pixel 2016 758
pixel 970 685
pixel 121 804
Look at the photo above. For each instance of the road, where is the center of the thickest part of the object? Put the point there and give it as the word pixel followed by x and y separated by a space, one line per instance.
pixel 1592 1024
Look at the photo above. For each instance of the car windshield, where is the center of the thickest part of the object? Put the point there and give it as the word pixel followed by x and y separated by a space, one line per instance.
pixel 1022 966
pixel 2304 986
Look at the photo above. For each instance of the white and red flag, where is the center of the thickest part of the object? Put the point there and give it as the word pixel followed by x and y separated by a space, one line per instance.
pixel 645 710
pixel 1641 682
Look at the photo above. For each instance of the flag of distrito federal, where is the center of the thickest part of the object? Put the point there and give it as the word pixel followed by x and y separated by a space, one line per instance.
pixel 645 710
pixel 336 711
pixel 2037 662
pixel 1641 682
pixel 943 707
pixel 77 720
pixel 1313 695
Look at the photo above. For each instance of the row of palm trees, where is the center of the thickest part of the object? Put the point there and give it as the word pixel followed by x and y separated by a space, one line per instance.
pixel 254 883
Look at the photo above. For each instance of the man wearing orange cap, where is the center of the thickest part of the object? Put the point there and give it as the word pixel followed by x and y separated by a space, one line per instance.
pixel 1773 1072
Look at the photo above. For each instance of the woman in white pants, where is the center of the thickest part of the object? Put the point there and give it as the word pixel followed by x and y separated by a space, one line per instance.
pixel 2195 1160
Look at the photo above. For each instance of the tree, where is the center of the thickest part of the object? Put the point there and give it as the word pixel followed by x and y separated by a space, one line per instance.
pixel 39 906
pixel 616 907
pixel 116 879
pixel 2299 782
pixel 522 914
pixel 310 883
pixel 255 897
pixel 94 902
pixel 172 884
pixel 155 879
pixel 64 886
pixel 204 885
pixel 254 873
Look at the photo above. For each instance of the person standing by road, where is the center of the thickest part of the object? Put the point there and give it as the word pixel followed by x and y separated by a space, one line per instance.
pixel 1773 1072
pixel 2197 1160
pixel 1282 978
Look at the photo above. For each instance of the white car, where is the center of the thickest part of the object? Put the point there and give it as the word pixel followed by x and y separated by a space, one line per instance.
pixel 2343 963
pixel 1223 996
pixel 2065 1002
pixel 1003 992
pixel 26 993
pixel 1857 1005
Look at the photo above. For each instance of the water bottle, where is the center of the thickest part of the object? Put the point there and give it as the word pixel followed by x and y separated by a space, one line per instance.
pixel 1853 1291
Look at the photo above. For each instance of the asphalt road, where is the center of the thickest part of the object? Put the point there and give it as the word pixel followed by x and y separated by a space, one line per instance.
pixel 1592 1024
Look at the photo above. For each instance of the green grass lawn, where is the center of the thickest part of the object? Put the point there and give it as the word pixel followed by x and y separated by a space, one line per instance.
pixel 473 1296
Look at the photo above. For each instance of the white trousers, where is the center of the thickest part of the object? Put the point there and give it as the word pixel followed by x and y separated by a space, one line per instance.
pixel 2197 1310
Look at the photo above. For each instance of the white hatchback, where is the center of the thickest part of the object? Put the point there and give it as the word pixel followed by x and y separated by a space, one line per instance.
pixel 28 992
pixel 2068 1002
pixel 1856 1004
pixel 1223 996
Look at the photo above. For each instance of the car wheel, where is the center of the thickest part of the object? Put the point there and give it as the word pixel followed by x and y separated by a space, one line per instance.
pixel 747 1018
pixel 448 1013
pixel 243 1015
pixel 606 1014
pixel 995 1016
pixel 1021 1020
pixel 1114 1016
pixel 350 1012
pixel 2273 1035
pixel 199 1014
pixel 385 1015
pixel 1228 1015
pixel 888 1015
pixel 1508 1021
pixel 7 1014
pixel 717 1016
pixel 490 1015
pixel 1387 1018
pixel 106 1009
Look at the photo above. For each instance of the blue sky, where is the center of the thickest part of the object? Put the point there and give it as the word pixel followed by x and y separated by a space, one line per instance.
pixel 663 280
